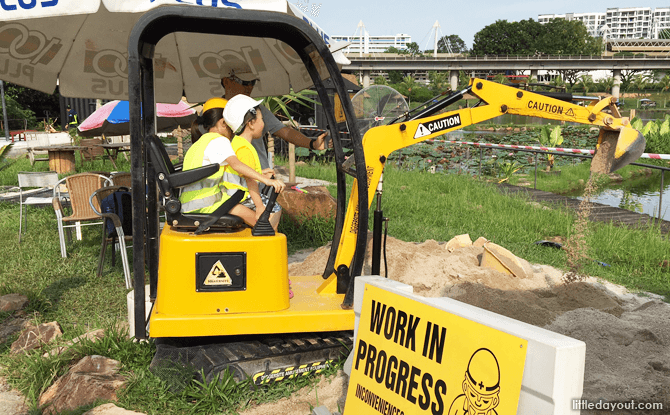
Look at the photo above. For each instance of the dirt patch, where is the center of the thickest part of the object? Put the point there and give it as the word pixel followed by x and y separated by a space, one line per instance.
pixel 627 336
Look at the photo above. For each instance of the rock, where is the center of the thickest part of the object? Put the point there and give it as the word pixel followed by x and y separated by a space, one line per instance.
pixel 90 379
pixel 316 202
pixel 457 242
pixel 12 302
pixel 110 409
pixel 480 242
pixel 500 259
pixel 91 335
pixel 11 326
pixel 11 401
pixel 34 337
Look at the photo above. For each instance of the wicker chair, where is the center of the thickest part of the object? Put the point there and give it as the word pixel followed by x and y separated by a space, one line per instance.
pixel 95 201
pixel 122 178
pixel 80 187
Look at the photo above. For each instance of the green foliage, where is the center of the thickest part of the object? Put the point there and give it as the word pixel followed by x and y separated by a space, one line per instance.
pixel 412 49
pixel 528 37
pixel 279 105
pixel 380 80
pixel 656 133
pixel 550 137
pixel 451 44
pixel 507 169
pixel 438 82
pixel 395 77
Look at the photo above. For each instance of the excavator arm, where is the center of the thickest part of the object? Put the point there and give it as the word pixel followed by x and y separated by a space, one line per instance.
pixel 618 143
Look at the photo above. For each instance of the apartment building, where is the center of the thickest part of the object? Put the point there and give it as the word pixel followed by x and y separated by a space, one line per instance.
pixel 660 22
pixel 373 44
pixel 629 22
pixel 593 21
pixel 621 22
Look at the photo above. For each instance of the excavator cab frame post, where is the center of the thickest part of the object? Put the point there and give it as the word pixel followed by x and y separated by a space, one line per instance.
pixel 313 52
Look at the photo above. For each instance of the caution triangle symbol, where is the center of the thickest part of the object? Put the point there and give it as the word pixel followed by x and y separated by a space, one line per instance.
pixel 421 131
pixel 570 113
pixel 218 275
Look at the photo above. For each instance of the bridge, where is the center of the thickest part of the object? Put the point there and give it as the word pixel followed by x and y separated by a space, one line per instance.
pixel 534 63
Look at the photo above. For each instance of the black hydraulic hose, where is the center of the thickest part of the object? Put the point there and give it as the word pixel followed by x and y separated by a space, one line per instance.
pixel 441 104
pixel 563 96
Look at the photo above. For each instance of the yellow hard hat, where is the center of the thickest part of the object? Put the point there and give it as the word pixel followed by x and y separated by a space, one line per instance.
pixel 214 103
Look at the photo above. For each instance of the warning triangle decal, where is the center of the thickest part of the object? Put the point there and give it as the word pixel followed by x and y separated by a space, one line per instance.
pixel 218 275
pixel 421 131
pixel 570 113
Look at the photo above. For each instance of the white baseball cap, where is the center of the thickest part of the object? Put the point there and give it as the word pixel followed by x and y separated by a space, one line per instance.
pixel 236 109
pixel 239 69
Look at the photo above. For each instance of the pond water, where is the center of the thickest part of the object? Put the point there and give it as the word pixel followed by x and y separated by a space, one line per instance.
pixel 638 196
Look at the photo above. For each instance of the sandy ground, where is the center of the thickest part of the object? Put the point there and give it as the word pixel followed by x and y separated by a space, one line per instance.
pixel 627 335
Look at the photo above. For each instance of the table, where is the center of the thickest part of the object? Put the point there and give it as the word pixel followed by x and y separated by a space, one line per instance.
pixel 61 157
pixel 113 150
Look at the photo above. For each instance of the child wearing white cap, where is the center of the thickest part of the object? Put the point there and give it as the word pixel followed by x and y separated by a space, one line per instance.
pixel 244 117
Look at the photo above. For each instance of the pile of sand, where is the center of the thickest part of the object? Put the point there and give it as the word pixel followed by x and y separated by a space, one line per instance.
pixel 627 336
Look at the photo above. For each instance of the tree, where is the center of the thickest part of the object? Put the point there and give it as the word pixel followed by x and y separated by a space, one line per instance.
pixel 34 103
pixel 392 49
pixel 566 37
pixel 558 82
pixel 500 78
pixel 640 82
pixel 664 83
pixel 528 37
pixel 627 78
pixel 451 44
pixel 438 82
pixel 605 84
pixel 586 83
pixel 395 77
pixel 505 38
pixel 380 80
pixel 570 76
pixel 413 49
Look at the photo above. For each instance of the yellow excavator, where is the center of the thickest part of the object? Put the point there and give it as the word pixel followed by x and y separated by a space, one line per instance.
pixel 219 289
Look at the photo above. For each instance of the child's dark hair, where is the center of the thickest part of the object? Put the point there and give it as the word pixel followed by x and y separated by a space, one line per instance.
pixel 251 115
pixel 204 122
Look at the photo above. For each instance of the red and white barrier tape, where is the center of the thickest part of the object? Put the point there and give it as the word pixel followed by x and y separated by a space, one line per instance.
pixel 557 149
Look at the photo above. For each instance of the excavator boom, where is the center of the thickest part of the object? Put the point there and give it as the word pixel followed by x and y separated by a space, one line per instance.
pixel 618 144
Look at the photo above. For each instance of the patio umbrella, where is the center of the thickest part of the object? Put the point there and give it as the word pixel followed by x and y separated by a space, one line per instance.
pixel 81 45
pixel 113 118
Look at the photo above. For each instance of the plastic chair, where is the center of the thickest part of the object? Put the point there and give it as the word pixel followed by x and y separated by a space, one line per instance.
pixel 95 200
pixel 31 179
pixel 80 187
pixel 170 182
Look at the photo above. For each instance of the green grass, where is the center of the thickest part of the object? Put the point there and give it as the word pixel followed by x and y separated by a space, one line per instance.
pixel 421 206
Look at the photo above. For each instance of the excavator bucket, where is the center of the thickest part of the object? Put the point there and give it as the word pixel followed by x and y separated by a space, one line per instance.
pixel 617 149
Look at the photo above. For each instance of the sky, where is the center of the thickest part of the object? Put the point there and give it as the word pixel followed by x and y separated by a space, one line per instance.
pixel 463 18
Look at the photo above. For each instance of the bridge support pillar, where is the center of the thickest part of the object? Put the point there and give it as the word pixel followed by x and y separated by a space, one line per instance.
pixel 617 83
pixel 533 74
pixel 366 79
pixel 453 80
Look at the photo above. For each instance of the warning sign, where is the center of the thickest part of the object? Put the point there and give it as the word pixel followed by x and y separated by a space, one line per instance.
pixel 438 125
pixel 570 113
pixel 411 358
pixel 218 275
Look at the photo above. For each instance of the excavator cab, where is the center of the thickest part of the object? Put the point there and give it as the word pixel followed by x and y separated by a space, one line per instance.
pixel 213 279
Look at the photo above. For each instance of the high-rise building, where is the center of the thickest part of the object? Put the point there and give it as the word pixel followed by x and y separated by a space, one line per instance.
pixel 373 44
pixel 621 22
pixel 661 22
pixel 629 22
pixel 593 21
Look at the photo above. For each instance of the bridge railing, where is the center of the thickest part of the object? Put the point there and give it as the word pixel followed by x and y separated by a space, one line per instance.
pixel 393 57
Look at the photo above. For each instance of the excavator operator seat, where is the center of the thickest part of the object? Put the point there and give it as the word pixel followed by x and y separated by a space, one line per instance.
pixel 170 182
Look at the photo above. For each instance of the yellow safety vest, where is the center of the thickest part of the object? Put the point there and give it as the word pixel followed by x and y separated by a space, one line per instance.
pixel 206 195
pixel 232 179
